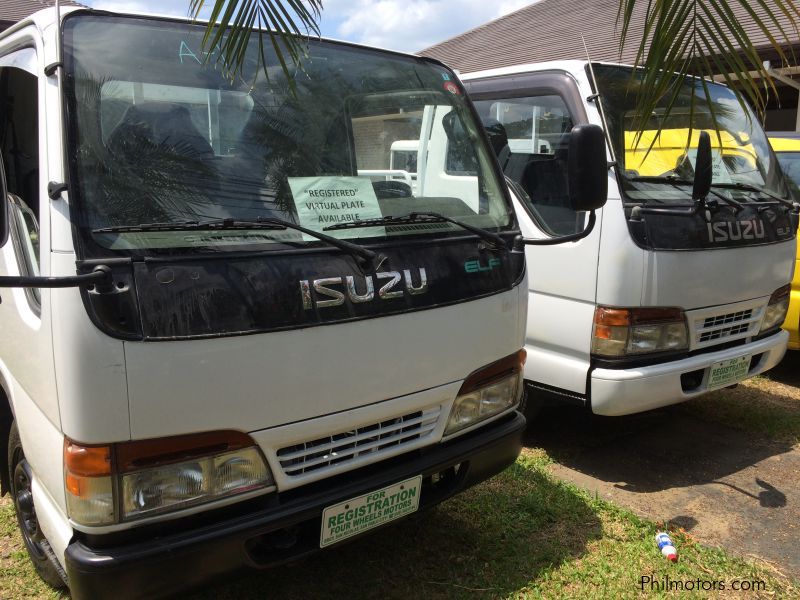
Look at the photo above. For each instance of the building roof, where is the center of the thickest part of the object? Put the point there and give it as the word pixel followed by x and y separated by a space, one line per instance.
pixel 552 29
pixel 14 10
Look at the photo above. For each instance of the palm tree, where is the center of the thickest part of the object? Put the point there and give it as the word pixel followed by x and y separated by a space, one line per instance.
pixel 232 22
pixel 706 38
pixel 687 37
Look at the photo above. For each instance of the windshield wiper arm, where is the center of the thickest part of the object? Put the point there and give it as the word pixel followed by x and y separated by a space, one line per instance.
pixel 365 255
pixel 737 206
pixel 671 179
pixel 493 239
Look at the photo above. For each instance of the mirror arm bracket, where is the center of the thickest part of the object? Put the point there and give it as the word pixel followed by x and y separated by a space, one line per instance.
pixel 55 189
pixel 520 241
pixel 100 276
pixel 51 69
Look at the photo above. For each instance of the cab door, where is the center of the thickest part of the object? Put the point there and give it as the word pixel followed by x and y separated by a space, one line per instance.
pixel 26 348
pixel 538 111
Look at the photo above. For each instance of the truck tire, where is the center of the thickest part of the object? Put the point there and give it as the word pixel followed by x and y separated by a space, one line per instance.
pixel 19 476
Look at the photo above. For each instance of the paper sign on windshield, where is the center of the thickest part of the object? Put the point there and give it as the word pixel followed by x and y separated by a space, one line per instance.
pixel 719 172
pixel 325 201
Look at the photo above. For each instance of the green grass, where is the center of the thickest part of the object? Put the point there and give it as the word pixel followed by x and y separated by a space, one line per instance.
pixel 523 534
pixel 759 405
pixel 17 576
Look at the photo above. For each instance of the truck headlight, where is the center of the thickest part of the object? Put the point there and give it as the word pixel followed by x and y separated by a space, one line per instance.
pixel 778 306
pixel 183 484
pixel 633 331
pixel 156 476
pixel 487 392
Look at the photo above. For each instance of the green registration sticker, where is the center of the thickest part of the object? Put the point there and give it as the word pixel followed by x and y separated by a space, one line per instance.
pixel 728 372
pixel 360 514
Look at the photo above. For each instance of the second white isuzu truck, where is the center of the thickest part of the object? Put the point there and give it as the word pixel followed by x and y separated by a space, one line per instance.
pixel 673 293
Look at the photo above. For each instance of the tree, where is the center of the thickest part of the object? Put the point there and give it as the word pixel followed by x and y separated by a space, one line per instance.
pixel 704 38
pixel 232 22
pixel 687 37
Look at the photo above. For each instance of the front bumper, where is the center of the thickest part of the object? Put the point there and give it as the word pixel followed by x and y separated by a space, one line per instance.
pixel 616 392
pixel 161 565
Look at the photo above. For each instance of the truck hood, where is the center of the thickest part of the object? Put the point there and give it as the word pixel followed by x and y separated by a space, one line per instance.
pixel 697 279
pixel 689 278
pixel 255 382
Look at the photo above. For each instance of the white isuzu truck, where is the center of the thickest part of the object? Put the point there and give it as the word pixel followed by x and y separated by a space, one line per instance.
pixel 230 332
pixel 676 291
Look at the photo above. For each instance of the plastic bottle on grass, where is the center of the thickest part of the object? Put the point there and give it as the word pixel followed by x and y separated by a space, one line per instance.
pixel 664 543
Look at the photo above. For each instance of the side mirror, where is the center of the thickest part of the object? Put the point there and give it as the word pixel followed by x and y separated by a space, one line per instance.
pixel 587 172
pixel 587 168
pixel 702 168
pixel 3 205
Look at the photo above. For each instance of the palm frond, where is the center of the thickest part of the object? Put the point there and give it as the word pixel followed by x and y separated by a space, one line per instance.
pixel 233 22
pixel 705 38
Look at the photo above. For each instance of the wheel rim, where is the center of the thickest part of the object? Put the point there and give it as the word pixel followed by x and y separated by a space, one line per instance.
pixel 26 512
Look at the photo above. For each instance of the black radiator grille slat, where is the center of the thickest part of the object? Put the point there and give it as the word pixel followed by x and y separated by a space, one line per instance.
pixel 329 451
pixel 723 327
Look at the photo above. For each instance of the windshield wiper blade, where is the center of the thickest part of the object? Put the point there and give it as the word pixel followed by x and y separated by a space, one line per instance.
pixel 671 179
pixel 677 182
pixel 415 218
pixel 366 255
pixel 209 225
pixel 749 187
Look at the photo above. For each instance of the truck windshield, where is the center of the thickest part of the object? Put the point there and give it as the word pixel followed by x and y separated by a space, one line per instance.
pixel 159 133
pixel 790 163
pixel 658 163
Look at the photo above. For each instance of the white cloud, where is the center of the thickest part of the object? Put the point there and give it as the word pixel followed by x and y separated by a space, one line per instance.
pixel 411 25
pixel 176 8
pixel 407 25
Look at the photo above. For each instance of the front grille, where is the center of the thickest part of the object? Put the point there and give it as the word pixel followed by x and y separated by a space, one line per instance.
pixel 725 333
pixel 718 328
pixel 723 324
pixel 375 439
pixel 742 315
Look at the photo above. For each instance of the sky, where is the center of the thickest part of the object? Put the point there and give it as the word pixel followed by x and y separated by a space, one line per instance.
pixel 405 25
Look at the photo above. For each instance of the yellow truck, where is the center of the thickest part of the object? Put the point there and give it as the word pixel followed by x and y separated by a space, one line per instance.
pixel 668 153
pixel 787 148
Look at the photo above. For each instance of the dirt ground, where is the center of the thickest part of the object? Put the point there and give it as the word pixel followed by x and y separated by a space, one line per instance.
pixel 727 486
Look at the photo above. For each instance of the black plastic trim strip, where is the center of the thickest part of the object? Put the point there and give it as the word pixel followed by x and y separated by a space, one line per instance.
pixel 566 396
pixel 767 333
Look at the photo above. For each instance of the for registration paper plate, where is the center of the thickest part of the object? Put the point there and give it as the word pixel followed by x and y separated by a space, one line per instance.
pixel 355 516
pixel 727 372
